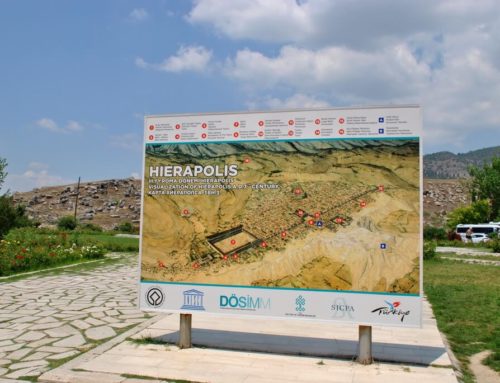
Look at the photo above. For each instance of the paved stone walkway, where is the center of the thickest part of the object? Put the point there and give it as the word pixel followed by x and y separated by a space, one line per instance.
pixel 47 319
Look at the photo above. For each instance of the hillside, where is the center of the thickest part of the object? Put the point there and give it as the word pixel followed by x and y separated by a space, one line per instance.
pixel 104 203
pixel 447 165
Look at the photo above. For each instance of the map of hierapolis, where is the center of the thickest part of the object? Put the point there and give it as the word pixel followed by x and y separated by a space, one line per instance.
pixel 328 215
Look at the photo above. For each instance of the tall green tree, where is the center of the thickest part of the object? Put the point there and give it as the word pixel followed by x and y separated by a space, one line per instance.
pixel 3 173
pixel 10 215
pixel 485 184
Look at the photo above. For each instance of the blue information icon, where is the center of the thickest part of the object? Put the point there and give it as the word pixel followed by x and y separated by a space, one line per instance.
pixel 381 131
pixel 381 119
pixel 319 224
pixel 383 246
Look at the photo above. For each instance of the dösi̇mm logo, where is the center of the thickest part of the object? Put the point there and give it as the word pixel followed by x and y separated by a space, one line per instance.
pixel 392 309
pixel 245 302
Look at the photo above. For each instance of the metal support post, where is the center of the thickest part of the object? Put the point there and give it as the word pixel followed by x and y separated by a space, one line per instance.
pixel 185 331
pixel 365 345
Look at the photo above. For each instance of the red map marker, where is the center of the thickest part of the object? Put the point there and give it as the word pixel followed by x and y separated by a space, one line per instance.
pixel 317 121
pixel 177 136
pixel 263 244
pixel 317 214
pixel 362 204
pixel 236 124
pixel 380 188
pixel 261 123
pixel 236 134
pixel 341 131
pixel 310 222
pixel 204 135
pixel 291 122
pixel 233 242
pixel 151 127
pixel 235 256
pixel 177 126
pixel 338 220
pixel 283 234
pixel 297 191
pixel 151 137
pixel 290 133
pixel 204 125
pixel 246 160
pixel 300 213
pixel 341 120
pixel 317 132
pixel 260 134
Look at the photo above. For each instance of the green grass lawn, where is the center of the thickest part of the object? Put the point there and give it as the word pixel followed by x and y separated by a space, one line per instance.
pixel 110 242
pixel 466 299
pixel 30 249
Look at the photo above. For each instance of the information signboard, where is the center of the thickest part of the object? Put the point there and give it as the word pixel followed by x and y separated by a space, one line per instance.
pixel 312 214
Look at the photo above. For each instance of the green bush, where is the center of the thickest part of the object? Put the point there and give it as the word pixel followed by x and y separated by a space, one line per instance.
pixel 434 233
pixel 11 216
pixel 89 228
pixel 494 244
pixel 429 250
pixel 25 249
pixel 67 222
pixel 126 227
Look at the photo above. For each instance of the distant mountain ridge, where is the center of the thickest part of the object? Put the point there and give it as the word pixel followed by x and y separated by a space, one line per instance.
pixel 447 165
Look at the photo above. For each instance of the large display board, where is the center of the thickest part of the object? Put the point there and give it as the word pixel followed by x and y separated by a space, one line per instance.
pixel 312 214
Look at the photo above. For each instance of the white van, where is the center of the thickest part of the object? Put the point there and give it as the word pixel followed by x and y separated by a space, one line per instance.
pixel 482 228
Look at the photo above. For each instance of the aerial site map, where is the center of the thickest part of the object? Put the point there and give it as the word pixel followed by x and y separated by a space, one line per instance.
pixel 298 201
pixel 334 215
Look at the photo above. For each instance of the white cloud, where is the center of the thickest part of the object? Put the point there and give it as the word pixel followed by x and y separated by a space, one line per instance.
pixel 138 15
pixel 353 23
pixel 36 175
pixel 345 74
pixel 128 141
pixel 298 100
pixel 187 58
pixel 135 175
pixel 274 21
pixel 50 125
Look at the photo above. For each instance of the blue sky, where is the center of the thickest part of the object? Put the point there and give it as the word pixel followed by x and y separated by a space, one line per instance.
pixel 77 77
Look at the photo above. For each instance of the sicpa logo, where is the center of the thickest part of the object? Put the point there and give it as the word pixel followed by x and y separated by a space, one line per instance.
pixel 392 309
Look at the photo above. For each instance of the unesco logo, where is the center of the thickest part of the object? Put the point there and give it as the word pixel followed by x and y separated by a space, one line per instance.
pixel 154 297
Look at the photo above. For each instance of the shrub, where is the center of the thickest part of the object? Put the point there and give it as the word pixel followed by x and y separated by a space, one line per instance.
pixel 429 250
pixel 434 233
pixel 494 244
pixel 26 249
pixel 126 227
pixel 67 222
pixel 90 227
pixel 11 216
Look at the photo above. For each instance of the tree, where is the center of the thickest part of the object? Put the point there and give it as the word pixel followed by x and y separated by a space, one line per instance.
pixel 485 185
pixel 10 215
pixel 3 173
pixel 477 212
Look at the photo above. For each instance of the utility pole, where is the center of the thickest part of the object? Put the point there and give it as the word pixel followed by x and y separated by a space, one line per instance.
pixel 76 197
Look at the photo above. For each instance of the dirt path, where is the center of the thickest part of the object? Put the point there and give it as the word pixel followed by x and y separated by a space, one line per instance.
pixel 483 373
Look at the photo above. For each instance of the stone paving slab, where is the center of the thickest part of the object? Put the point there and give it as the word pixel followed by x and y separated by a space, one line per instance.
pixel 46 318
pixel 256 351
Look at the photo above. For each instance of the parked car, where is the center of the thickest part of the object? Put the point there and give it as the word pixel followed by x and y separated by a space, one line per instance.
pixel 479 238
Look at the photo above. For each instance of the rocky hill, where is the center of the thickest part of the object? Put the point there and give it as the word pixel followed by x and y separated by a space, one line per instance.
pixel 104 203
pixel 447 165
